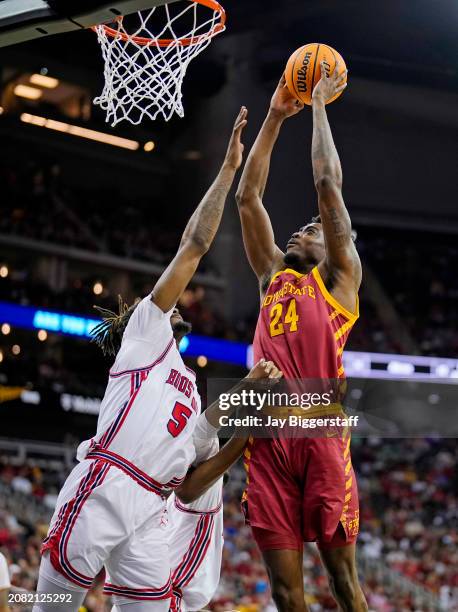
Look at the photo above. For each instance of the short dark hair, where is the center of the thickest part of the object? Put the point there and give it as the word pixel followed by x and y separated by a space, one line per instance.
pixel 317 219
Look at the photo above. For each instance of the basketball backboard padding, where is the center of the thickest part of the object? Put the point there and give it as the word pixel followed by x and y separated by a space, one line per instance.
pixel 22 20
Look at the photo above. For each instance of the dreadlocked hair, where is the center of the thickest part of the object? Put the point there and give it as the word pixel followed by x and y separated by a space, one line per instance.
pixel 108 333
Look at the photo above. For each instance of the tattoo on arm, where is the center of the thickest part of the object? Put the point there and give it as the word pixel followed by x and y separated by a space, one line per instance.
pixel 204 222
pixel 325 159
pixel 327 172
pixel 196 241
pixel 339 230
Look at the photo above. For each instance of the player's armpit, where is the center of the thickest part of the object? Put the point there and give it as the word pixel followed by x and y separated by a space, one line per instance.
pixel 258 236
pixel 207 473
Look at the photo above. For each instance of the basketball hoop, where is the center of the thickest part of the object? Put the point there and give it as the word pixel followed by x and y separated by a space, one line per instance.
pixel 147 54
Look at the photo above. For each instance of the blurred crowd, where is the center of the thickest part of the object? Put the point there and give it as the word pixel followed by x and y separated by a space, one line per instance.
pixel 199 305
pixel 409 525
pixel 409 509
pixel 407 544
pixel 408 488
pixel 37 204
pixel 57 364
pixel 416 270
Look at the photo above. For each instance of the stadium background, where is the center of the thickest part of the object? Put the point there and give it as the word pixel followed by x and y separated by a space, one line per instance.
pixel 83 221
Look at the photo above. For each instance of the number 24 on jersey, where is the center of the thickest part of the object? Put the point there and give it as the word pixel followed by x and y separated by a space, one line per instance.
pixel 282 315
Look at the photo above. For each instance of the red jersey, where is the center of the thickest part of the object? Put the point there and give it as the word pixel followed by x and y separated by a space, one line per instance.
pixel 301 327
pixel 300 487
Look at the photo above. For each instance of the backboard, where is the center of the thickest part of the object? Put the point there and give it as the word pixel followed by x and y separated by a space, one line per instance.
pixel 22 20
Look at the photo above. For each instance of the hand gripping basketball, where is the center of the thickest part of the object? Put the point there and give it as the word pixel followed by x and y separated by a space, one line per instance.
pixel 329 86
pixel 283 102
pixel 306 66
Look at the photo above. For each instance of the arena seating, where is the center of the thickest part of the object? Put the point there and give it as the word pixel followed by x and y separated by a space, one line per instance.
pixel 407 547
pixel 417 270
pixel 408 541
pixel 38 204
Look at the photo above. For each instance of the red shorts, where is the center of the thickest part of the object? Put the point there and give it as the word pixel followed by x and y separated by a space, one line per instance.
pixel 301 489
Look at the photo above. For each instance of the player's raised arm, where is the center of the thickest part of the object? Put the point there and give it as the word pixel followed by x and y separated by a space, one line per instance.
pixel 202 226
pixel 258 235
pixel 342 260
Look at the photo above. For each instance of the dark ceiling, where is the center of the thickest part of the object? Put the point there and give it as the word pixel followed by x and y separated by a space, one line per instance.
pixel 408 40
pixel 411 41
pixel 399 41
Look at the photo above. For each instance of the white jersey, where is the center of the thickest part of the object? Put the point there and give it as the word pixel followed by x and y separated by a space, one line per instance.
pixel 4 573
pixel 150 406
pixel 196 538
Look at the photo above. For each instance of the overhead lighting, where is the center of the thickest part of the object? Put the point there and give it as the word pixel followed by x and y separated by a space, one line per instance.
pixel 4 271
pixel 76 130
pixel 149 146
pixel 6 329
pixel 42 335
pixel 24 91
pixel 16 349
pixel 97 288
pixel 44 81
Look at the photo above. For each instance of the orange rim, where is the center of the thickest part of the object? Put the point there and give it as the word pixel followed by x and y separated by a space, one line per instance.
pixel 166 42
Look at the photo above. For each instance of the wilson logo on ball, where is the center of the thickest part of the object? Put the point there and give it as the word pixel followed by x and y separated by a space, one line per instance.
pixel 302 73
pixel 303 70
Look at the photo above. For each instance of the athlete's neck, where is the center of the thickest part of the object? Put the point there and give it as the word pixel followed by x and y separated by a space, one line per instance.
pixel 304 268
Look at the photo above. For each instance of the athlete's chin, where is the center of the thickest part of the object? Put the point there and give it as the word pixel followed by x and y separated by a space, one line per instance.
pixel 301 260
pixel 293 259
pixel 181 329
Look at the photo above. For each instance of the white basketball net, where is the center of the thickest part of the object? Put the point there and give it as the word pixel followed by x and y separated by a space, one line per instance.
pixel 146 79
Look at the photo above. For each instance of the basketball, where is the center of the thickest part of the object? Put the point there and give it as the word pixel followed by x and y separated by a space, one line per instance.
pixel 303 70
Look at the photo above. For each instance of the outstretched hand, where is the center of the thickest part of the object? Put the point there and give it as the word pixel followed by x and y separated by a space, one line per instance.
pixel 283 102
pixel 264 369
pixel 234 154
pixel 329 86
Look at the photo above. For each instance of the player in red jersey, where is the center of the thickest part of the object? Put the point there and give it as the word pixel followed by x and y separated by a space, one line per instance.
pixel 303 489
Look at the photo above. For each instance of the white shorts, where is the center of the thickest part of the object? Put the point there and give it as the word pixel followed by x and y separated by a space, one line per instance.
pixel 104 518
pixel 196 548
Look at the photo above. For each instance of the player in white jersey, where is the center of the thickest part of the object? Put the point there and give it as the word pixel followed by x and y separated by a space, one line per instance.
pixel 196 548
pixel 4 584
pixel 195 509
pixel 110 511
pixel 196 541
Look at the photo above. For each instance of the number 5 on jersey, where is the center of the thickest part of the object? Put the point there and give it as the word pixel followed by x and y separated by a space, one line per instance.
pixel 180 416
pixel 277 322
